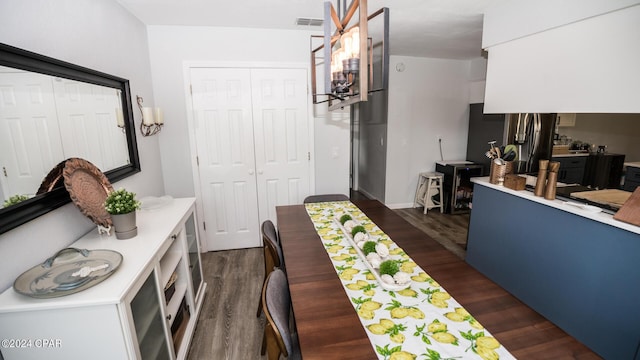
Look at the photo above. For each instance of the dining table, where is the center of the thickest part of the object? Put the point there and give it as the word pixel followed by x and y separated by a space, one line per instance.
pixel 328 327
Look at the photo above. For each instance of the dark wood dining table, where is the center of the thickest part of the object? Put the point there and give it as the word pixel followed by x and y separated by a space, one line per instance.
pixel 329 328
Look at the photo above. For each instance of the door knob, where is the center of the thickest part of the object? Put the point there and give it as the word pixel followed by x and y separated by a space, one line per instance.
pixel 260 171
pixel 250 171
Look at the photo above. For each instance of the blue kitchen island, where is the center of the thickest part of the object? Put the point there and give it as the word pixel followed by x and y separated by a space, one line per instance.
pixel 579 269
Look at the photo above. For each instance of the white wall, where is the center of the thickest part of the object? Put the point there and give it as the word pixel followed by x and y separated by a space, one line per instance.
pixel 429 98
pixel 477 80
pixel 332 150
pixel 586 66
pixel 171 47
pixel 99 35
pixel 619 132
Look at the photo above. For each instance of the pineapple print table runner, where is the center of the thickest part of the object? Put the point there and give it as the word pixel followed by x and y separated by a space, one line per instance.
pixel 420 322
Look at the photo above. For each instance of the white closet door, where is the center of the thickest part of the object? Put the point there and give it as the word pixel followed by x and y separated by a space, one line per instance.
pixel 281 138
pixel 252 141
pixel 224 142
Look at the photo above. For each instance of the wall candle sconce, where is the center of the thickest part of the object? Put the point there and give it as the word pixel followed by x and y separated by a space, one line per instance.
pixel 152 119
pixel 120 119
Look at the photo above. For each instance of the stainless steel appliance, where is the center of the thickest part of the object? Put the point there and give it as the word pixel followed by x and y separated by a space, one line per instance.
pixel 533 134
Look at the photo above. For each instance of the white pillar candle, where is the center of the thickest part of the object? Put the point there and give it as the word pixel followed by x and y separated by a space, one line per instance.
pixel 119 118
pixel 147 116
pixel 158 116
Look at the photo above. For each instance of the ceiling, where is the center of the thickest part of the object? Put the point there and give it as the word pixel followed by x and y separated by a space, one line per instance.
pixel 450 29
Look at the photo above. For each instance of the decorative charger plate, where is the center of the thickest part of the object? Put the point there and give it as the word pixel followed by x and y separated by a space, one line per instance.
pixel 88 188
pixel 53 179
pixel 69 271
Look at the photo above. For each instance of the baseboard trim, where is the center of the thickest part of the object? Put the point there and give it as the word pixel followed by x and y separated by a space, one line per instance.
pixel 368 194
pixel 399 206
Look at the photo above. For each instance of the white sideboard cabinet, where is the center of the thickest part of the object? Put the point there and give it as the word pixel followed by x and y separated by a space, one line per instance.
pixel 147 309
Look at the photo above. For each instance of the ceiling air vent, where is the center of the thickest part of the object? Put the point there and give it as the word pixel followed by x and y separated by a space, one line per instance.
pixel 308 22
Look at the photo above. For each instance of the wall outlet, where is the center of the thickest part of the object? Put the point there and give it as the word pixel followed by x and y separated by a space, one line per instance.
pixel 438 138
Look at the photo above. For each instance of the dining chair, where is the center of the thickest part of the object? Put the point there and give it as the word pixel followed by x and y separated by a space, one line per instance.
pixel 325 198
pixel 273 257
pixel 278 338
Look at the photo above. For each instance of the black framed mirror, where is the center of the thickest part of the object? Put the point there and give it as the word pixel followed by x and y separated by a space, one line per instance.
pixel 107 135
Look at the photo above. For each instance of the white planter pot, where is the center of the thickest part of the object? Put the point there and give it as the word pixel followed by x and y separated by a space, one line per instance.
pixel 125 225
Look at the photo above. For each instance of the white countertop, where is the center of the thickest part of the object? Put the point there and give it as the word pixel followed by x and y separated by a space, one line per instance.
pixel 454 162
pixel 559 204
pixel 569 155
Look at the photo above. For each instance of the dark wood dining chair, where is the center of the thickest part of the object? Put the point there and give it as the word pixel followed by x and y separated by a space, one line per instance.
pixel 278 338
pixel 273 257
pixel 325 198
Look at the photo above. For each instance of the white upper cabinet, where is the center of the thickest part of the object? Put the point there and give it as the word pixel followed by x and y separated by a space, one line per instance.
pixel 566 120
pixel 577 56
pixel 514 19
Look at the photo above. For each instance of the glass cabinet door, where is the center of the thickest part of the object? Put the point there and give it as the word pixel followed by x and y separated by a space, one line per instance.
pixel 194 254
pixel 149 323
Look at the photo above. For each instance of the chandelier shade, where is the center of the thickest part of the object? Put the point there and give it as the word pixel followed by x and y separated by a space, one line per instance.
pixel 342 64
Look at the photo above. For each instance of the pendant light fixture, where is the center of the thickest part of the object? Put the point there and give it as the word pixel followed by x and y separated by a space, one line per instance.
pixel 345 56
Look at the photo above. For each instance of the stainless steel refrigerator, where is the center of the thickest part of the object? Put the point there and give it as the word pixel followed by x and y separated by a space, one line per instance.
pixel 533 135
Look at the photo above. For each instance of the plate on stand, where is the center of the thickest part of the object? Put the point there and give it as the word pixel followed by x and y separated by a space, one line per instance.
pixel 88 188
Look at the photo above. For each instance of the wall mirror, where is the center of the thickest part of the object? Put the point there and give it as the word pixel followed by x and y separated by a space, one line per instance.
pixel 50 111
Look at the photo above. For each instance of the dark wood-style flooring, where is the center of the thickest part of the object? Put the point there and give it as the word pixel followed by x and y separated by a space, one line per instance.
pixel 229 329
pixel 449 230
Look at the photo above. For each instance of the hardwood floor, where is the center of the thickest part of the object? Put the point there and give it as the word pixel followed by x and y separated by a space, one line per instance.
pixel 229 329
pixel 447 229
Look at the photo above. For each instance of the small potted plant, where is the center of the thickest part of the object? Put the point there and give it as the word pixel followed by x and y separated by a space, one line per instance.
pixel 122 206
pixel 15 199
